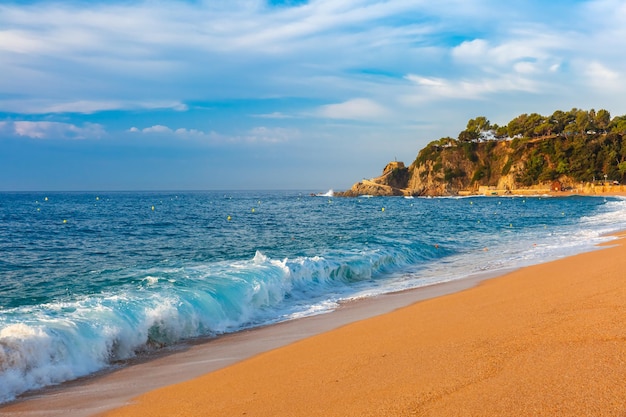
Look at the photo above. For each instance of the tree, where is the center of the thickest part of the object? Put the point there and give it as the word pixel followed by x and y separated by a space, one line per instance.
pixel 618 125
pixel 558 121
pixel 502 132
pixel 602 120
pixel 468 136
pixel 584 121
pixel 531 124
pixel 478 125
pixel 516 126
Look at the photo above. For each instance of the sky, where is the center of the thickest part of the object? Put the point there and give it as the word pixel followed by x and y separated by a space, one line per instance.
pixel 267 94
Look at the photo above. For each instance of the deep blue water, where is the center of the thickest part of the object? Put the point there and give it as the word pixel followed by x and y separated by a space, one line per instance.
pixel 87 279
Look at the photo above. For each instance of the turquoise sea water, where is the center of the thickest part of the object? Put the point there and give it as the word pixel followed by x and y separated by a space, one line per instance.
pixel 88 279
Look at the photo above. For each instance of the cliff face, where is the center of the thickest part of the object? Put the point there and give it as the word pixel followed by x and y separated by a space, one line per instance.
pixel 452 168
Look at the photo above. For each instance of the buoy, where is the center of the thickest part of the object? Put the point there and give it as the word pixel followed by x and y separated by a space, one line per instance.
pixel 64 221
pixel 228 218
pixel 45 199
pixel 511 225
pixel 152 208
pixel 97 198
pixel 471 202
pixel 253 209
pixel 383 209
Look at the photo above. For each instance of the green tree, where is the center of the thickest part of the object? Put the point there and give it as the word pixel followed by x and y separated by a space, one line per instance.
pixel 468 136
pixel 532 122
pixel 478 125
pixel 602 120
pixel 516 126
pixel 584 121
pixel 502 132
pixel 618 125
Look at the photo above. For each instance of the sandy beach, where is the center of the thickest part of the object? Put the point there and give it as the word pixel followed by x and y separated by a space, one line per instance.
pixel 544 340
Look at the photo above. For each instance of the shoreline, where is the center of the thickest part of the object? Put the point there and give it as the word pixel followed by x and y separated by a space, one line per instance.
pixel 116 387
pixel 186 365
pixel 547 339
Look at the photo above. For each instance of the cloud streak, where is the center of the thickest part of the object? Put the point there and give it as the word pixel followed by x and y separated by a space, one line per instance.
pixel 52 130
pixel 259 134
pixel 91 57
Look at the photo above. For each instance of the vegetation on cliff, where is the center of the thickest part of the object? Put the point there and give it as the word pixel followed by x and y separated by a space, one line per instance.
pixel 564 148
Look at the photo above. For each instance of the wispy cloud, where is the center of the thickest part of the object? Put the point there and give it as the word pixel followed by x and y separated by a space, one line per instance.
pixel 89 57
pixel 47 106
pixel 259 134
pixel 354 109
pixel 273 115
pixel 52 130
pixel 436 89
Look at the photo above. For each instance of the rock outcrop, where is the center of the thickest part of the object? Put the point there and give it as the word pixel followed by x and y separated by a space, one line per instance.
pixel 393 181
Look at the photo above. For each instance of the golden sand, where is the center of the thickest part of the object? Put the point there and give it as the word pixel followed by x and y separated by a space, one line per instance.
pixel 542 341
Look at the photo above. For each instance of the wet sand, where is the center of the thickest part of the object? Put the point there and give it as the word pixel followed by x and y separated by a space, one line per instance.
pixel 546 340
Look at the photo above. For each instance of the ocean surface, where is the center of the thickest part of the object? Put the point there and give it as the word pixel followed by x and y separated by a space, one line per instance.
pixel 88 280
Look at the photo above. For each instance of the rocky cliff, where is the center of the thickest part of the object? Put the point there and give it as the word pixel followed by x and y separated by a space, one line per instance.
pixel 451 167
pixel 566 150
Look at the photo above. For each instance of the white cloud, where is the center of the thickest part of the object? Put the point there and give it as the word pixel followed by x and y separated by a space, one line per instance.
pixel 162 129
pixel 477 49
pixel 520 51
pixel 189 132
pixel 157 129
pixel 429 89
pixel 596 70
pixel 260 134
pixel 354 109
pixel 525 67
pixel 46 106
pixel 426 81
pixel 52 130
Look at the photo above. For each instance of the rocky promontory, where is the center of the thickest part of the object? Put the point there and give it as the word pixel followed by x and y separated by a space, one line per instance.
pixel 573 151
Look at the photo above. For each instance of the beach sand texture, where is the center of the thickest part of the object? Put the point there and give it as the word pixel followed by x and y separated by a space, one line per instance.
pixel 542 341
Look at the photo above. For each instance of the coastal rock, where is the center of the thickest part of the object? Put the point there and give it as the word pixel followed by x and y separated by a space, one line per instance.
pixel 392 182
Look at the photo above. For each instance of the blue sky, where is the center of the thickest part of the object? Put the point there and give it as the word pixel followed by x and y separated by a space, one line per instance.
pixel 291 94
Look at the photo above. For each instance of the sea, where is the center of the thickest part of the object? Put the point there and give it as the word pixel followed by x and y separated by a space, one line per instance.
pixel 89 280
